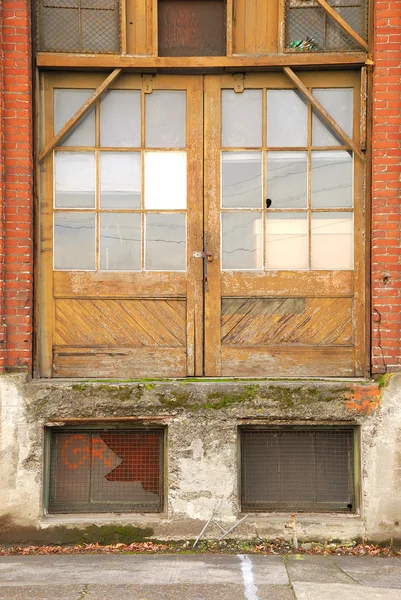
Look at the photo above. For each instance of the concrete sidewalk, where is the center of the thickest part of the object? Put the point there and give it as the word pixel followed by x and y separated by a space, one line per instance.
pixel 199 577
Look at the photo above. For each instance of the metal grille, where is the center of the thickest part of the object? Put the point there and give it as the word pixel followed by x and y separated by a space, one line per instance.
pixel 78 26
pixel 310 29
pixel 106 471
pixel 300 468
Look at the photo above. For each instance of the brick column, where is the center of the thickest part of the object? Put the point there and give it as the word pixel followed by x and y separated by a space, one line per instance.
pixel 16 170
pixel 386 189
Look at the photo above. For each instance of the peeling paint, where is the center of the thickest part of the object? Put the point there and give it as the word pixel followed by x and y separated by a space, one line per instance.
pixel 363 399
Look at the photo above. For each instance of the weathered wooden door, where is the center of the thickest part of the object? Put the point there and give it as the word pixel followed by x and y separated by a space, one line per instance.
pixel 201 225
pixel 284 227
pixel 121 216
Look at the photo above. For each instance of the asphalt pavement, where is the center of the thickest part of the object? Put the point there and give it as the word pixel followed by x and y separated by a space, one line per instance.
pixel 199 577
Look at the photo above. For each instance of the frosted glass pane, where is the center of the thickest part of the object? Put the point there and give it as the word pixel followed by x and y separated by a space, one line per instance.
pixel 165 242
pixel 66 104
pixel 287 241
pixel 287 118
pixel 339 103
pixel 241 179
pixel 332 241
pixel 120 119
pixel 332 179
pixel 287 179
pixel 120 242
pixel 74 179
pixel 242 119
pixel 166 119
pixel 120 179
pixel 241 240
pixel 165 180
pixel 74 241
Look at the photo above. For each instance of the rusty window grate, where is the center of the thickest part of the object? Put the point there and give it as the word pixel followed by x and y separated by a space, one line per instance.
pixel 297 468
pixel 78 26
pixel 106 471
pixel 308 28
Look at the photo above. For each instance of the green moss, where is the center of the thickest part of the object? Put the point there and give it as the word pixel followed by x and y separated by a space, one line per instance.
pixel 383 380
pixel 218 400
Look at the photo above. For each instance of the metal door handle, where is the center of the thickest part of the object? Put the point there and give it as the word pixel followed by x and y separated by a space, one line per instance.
pixel 207 257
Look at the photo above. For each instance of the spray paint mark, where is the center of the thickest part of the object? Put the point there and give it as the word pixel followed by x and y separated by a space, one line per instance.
pixel 251 592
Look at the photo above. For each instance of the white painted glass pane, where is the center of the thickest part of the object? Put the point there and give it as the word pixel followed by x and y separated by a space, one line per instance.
pixel 166 119
pixel 242 119
pixel 241 176
pixel 120 119
pixel 66 104
pixel 287 179
pixel 332 179
pixel 74 241
pixel 242 235
pixel 339 103
pixel 165 180
pixel 332 241
pixel 120 242
pixel 165 242
pixel 120 179
pixel 286 241
pixel 287 118
pixel 74 179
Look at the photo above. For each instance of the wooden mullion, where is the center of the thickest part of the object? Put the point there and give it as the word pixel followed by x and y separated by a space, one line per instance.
pixel 323 112
pixel 343 24
pixel 78 115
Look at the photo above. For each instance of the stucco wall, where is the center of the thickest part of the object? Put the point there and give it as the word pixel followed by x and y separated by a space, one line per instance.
pixel 202 421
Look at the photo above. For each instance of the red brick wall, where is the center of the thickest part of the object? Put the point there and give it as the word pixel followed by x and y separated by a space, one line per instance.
pixel 16 170
pixel 386 192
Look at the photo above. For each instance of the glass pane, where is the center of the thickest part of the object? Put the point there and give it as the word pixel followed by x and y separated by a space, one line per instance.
pixel 166 119
pixel 287 241
pixel 74 179
pixel 74 241
pixel 287 118
pixel 165 180
pixel 242 234
pixel 165 242
pixel 66 104
pixel 120 242
pixel 241 179
pixel 242 119
pixel 332 179
pixel 332 241
pixel 120 119
pixel 287 179
pixel 120 179
pixel 339 103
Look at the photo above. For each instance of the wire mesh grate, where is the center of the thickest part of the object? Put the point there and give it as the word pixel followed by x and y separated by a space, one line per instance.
pixel 84 26
pixel 106 471
pixel 305 469
pixel 310 29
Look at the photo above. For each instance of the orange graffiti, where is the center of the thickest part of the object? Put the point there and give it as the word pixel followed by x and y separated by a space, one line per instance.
pixel 363 399
pixel 76 451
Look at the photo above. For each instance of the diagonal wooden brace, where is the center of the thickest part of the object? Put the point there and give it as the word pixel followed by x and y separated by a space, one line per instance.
pixel 323 112
pixel 78 115
pixel 343 24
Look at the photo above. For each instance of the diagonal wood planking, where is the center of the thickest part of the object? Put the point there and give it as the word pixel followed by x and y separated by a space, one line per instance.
pixel 115 323
pixel 259 321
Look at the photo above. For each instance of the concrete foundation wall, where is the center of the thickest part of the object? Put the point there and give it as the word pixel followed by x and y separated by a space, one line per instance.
pixel 202 420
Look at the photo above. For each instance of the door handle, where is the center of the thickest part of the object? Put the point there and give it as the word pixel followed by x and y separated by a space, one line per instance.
pixel 207 257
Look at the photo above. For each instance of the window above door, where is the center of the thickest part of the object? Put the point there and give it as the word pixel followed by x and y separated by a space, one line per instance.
pixel 202 28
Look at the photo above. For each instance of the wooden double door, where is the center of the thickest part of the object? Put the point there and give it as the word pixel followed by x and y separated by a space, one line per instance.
pixel 201 225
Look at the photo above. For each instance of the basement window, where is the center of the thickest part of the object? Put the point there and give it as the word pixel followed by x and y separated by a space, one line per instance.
pixel 106 470
pixel 297 469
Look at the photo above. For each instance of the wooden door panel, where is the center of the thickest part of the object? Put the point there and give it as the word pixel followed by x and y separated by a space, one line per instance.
pixel 266 321
pixel 287 361
pixel 119 363
pixel 285 295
